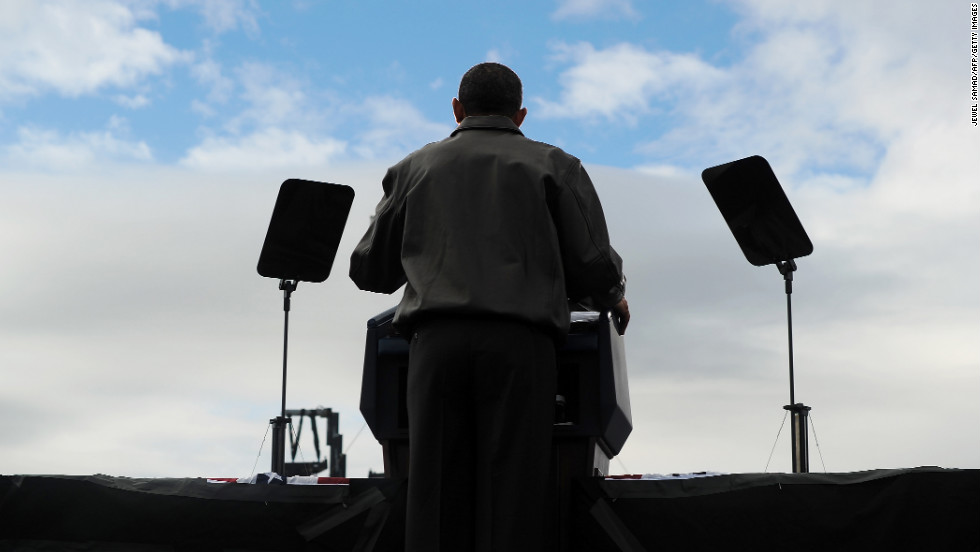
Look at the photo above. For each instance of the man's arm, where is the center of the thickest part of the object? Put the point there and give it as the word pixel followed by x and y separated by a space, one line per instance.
pixel 375 264
pixel 593 269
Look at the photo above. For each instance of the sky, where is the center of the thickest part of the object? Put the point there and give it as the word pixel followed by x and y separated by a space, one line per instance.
pixel 143 143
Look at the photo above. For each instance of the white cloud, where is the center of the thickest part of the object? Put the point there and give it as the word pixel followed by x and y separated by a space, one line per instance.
pixel 219 16
pixel 395 127
pixel 818 90
pixel 49 150
pixel 76 48
pixel 663 171
pixel 131 293
pixel 283 123
pixel 869 135
pixel 228 15
pixel 621 83
pixel 118 124
pixel 825 88
pixel 165 320
pixel 176 258
pixel 585 9
pixel 279 125
pixel 263 149
pixel 208 72
pixel 202 108
pixel 882 326
pixel 273 97
pixel 132 102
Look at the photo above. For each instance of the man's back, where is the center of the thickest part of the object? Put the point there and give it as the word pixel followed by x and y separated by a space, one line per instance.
pixel 488 217
pixel 491 234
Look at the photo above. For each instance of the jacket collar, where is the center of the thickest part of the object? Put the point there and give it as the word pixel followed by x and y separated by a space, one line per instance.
pixel 487 122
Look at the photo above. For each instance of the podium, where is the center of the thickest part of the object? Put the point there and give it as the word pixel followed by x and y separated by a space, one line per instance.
pixel 592 408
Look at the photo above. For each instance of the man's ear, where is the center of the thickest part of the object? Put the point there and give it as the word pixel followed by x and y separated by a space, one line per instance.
pixel 519 115
pixel 458 111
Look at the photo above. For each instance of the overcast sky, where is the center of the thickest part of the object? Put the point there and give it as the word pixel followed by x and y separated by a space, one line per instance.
pixel 142 145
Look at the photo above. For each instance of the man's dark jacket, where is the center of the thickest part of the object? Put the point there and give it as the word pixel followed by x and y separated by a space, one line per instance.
pixel 489 223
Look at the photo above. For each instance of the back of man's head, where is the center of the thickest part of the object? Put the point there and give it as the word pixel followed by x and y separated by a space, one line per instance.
pixel 490 89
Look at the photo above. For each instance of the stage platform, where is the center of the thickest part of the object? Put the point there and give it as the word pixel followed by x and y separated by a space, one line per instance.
pixel 906 509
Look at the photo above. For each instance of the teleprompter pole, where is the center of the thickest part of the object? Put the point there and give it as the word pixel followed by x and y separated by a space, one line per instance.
pixel 279 423
pixel 307 223
pixel 768 231
pixel 799 411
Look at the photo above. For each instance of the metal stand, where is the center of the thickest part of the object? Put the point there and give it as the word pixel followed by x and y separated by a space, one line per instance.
pixel 801 450
pixel 767 229
pixel 801 455
pixel 280 422
pixel 337 461
pixel 300 245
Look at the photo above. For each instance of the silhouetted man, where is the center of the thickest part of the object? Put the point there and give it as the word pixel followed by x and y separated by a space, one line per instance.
pixel 491 233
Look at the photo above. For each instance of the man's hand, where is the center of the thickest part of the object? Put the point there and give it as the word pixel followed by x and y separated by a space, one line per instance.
pixel 622 313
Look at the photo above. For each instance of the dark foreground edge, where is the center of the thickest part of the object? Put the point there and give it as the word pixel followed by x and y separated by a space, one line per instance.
pixel 918 508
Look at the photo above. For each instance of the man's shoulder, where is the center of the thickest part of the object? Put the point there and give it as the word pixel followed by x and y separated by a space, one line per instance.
pixel 417 156
pixel 550 157
pixel 551 149
pixel 514 144
pixel 422 152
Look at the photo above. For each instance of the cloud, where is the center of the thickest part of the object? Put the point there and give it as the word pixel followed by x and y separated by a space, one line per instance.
pixel 879 322
pixel 395 127
pixel 866 137
pixel 228 15
pixel 132 102
pixel 190 339
pixel 587 9
pixel 282 122
pixel 819 90
pixel 279 125
pixel 870 139
pixel 220 16
pixel 130 290
pixel 76 48
pixel 268 96
pixel 807 95
pixel 131 293
pixel 263 149
pixel 49 150
pixel 208 72
pixel 273 97
pixel 621 83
